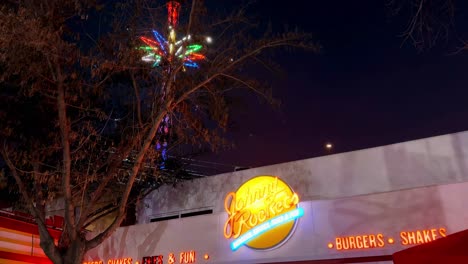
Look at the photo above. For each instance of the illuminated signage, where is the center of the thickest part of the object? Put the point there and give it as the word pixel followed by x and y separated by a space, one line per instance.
pixel 262 213
pixel 359 242
pixel 120 261
pixel 153 260
pixel 111 261
pixel 422 236
pixel 185 257
pixel 366 241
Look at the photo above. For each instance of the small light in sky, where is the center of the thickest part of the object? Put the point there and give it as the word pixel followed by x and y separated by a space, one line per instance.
pixel 209 40
pixel 328 146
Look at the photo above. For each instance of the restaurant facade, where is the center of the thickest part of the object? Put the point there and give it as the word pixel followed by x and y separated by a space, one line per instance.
pixel 355 207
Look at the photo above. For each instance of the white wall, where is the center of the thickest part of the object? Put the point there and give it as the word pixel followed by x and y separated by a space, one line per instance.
pixel 425 162
pixel 387 213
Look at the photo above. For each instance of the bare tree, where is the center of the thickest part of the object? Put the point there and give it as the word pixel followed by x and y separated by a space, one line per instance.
pixel 81 113
pixel 429 21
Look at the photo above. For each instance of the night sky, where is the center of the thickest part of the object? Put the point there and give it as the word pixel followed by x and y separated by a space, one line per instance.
pixel 365 89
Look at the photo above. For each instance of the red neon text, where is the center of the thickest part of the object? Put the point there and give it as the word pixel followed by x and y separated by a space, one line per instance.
pixel 120 261
pixel 187 257
pixel 421 236
pixel 358 242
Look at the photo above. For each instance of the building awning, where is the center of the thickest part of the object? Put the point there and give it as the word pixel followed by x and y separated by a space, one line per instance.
pixel 450 249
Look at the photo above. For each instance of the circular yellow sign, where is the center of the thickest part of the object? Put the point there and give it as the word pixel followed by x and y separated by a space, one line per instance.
pixel 260 213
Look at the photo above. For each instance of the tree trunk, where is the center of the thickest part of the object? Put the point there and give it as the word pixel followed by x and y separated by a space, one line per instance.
pixel 74 254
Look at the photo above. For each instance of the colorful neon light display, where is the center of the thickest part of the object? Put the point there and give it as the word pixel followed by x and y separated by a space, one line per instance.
pixel 172 53
pixel 262 213
pixel 159 49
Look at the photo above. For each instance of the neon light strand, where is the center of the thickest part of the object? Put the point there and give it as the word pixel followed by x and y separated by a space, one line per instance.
pixel 164 132
pixel 151 43
pixel 195 56
pixel 162 41
pixel 191 64
pixel 268 225
pixel 193 48
pixel 173 8
pixel 165 50
pixel 169 48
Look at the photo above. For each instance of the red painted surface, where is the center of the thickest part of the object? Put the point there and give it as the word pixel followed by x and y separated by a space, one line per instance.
pixel 26 227
pixel 24 258
pixel 8 221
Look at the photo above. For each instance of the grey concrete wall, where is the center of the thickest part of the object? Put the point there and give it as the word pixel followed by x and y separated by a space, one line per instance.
pixel 425 162
pixel 443 206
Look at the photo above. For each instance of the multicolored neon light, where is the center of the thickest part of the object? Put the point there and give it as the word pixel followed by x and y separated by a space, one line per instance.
pixel 172 53
pixel 268 225
pixel 159 49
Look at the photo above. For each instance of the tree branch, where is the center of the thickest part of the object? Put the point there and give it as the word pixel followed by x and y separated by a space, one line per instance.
pixel 136 168
pixel 272 44
pixel 47 242
pixel 113 163
pixel 138 100
pixel 412 25
pixel 246 85
pixel 192 11
pixel 66 174
pixel 99 214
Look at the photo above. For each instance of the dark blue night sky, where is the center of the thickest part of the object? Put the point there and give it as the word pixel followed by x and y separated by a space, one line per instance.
pixel 366 88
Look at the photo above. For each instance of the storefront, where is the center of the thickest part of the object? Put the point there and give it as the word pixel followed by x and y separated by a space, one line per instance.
pixel 357 207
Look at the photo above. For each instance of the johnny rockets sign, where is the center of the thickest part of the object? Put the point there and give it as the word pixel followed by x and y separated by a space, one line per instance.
pixel 262 213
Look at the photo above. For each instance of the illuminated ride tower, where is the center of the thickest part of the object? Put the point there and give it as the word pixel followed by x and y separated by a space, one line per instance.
pixel 169 54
